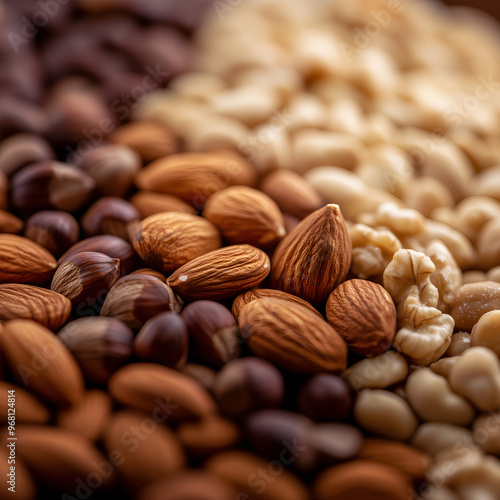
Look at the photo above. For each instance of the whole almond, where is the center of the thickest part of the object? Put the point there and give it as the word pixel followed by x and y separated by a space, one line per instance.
pixel 157 454
pixel 150 203
pixel 194 177
pixel 28 408
pixel 160 390
pixel 292 336
pixel 364 315
pixel 46 307
pixel 24 261
pixel 221 274
pixel 37 359
pixel 259 293
pixel 86 277
pixel 315 257
pixel 168 240
pixel 361 479
pixel 10 223
pixel 245 215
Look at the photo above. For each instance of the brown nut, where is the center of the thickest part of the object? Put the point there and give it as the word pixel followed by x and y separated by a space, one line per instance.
pixel 150 272
pixel 168 240
pixel 10 223
pixel 51 185
pixel 364 315
pixel 29 409
pixel 109 215
pixel 136 298
pixel 163 339
pixel 86 277
pixel 101 345
pixel 203 374
pixel 112 246
pixel 4 189
pixel 150 203
pixel 54 230
pixel 213 332
pixel 248 384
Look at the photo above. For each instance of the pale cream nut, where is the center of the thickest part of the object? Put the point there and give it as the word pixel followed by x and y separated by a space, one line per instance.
pixel 486 332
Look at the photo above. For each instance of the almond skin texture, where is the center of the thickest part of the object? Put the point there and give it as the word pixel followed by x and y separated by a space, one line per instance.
pixel 41 362
pixel 221 274
pixel 245 215
pixel 168 240
pixel 194 177
pixel 315 257
pixel 46 307
pixel 150 203
pixel 364 314
pixel 155 388
pixel 292 336
pixel 86 277
pixel 361 480
pixel 24 261
pixel 259 293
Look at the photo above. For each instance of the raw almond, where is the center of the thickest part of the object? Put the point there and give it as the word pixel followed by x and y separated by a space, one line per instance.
pixel 158 390
pixel 168 240
pixel 315 257
pixel 24 261
pixel 292 336
pixel 194 177
pixel 150 203
pixel 221 274
pixel 46 307
pixel 364 315
pixel 28 408
pixel 37 359
pixel 10 223
pixel 245 215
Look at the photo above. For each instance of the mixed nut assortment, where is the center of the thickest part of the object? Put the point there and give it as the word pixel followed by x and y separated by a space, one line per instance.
pixel 280 281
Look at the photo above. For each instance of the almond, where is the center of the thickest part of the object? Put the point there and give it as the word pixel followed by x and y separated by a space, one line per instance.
pixel 245 215
pixel 194 177
pixel 221 274
pixel 150 203
pixel 158 390
pixel 28 408
pixel 10 223
pixel 86 277
pixel 46 307
pixel 364 314
pixel 258 293
pixel 24 261
pixel 315 257
pixel 361 479
pixel 158 453
pixel 168 240
pixel 39 360
pixel 292 336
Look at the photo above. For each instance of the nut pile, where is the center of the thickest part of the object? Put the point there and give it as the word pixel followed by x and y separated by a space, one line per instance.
pixel 282 281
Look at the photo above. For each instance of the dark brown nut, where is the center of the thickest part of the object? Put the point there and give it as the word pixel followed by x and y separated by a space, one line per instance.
pixel 325 397
pixel 109 215
pixel 334 442
pixel 276 434
pixel 28 408
pixel 163 339
pixel 292 192
pixel 22 149
pixel 150 203
pixel 114 247
pixel 113 167
pixel 51 185
pixel 362 479
pixel 163 392
pixel 186 485
pixel 150 272
pixel 4 188
pixel 136 298
pixel 101 345
pixel 151 140
pixel 237 467
pixel 156 453
pixel 248 384
pixel 213 332
pixel 258 293
pixel 17 115
pixel 86 277
pixel 202 374
pixel 364 314
pixel 54 230
pixel 89 417
pixel 208 436
pixel 10 223
pixel 58 458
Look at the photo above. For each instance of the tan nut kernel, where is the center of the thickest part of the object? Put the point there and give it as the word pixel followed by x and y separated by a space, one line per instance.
pixel 486 332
